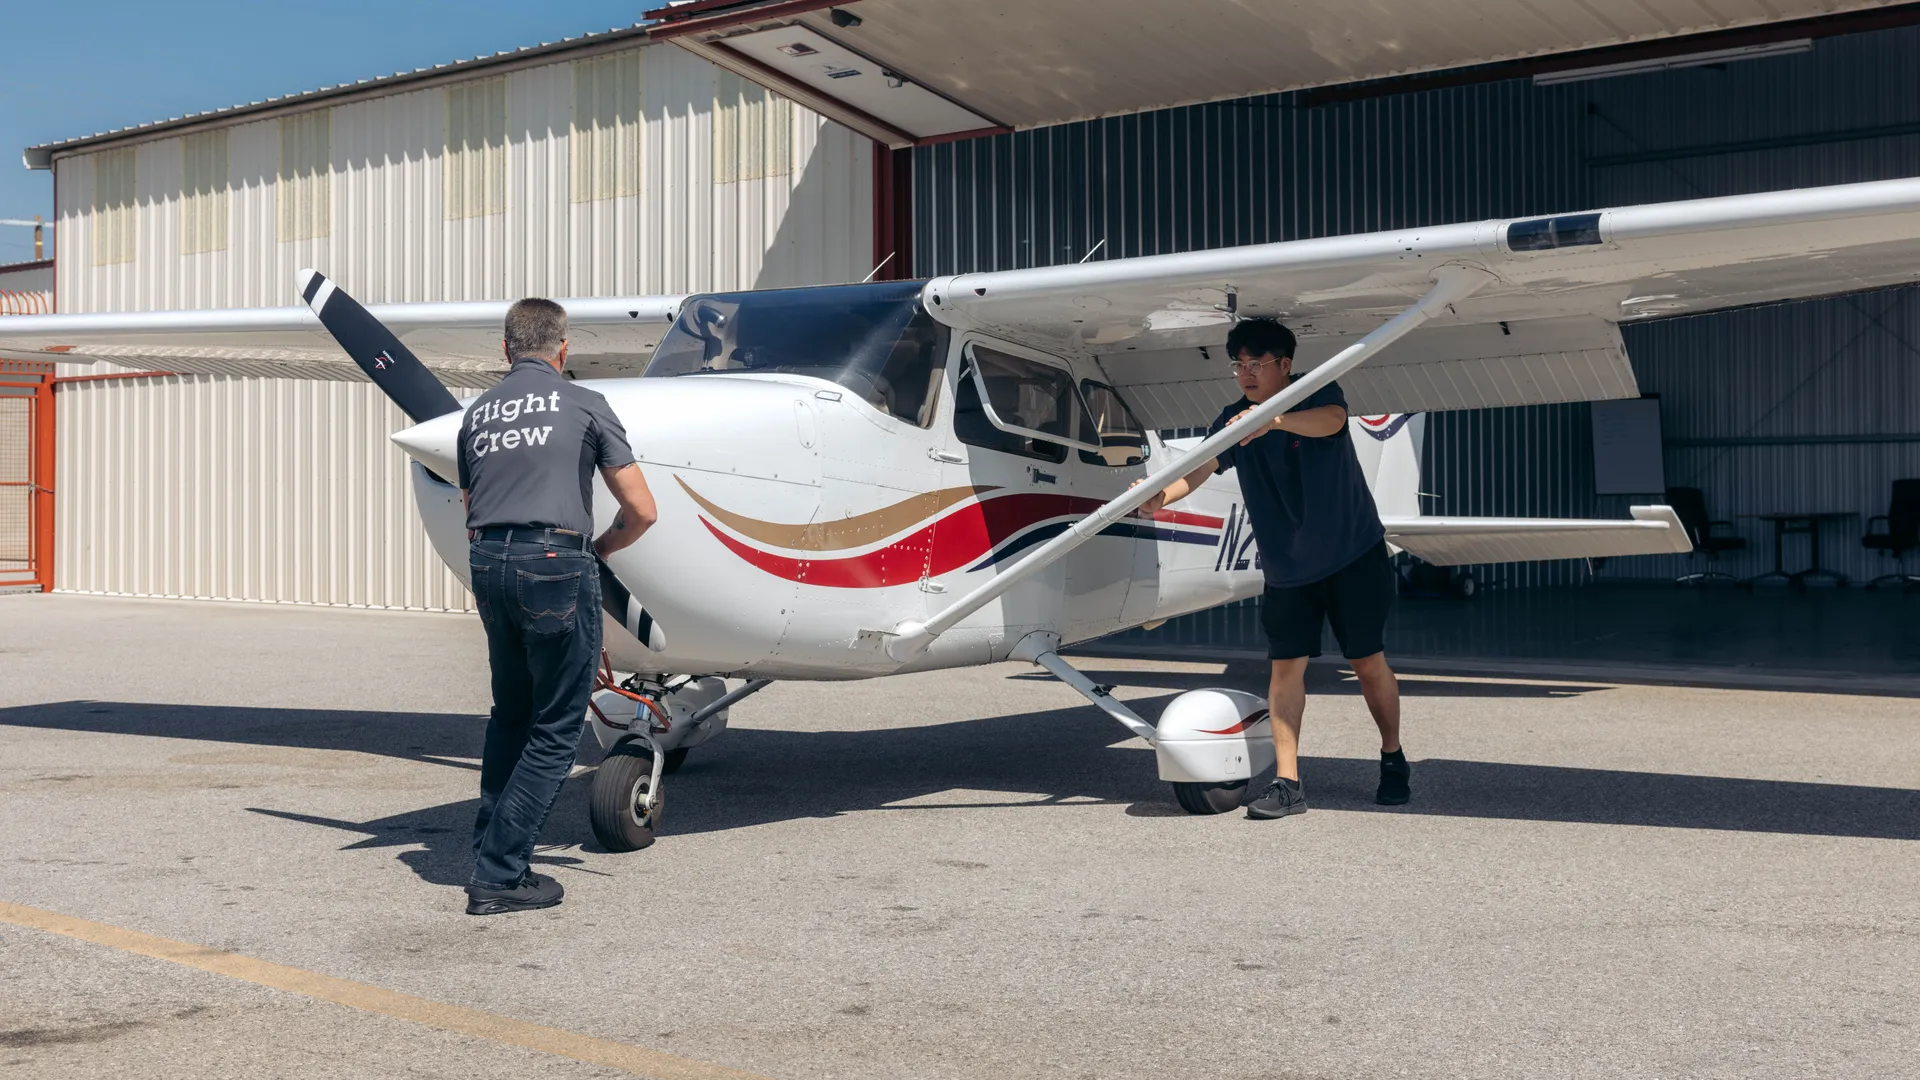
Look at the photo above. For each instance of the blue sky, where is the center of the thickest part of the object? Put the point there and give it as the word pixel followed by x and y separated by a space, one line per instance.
pixel 83 66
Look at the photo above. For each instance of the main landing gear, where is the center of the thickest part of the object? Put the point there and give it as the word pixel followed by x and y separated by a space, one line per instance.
pixel 1209 744
pixel 648 725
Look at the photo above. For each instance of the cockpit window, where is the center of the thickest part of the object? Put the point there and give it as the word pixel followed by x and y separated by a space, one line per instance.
pixel 874 340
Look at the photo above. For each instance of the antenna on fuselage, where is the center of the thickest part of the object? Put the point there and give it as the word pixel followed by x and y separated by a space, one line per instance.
pixel 877 269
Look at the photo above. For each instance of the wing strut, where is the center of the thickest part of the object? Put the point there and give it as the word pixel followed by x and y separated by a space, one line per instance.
pixel 1451 283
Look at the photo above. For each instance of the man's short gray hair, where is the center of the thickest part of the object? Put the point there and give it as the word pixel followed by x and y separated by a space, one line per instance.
pixel 535 327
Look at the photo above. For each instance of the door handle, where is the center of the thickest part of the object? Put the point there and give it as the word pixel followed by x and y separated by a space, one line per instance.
pixel 1042 477
pixel 947 456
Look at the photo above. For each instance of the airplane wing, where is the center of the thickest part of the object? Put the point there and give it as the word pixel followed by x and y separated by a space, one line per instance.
pixel 1421 319
pixel 1654 530
pixel 608 338
pixel 1545 330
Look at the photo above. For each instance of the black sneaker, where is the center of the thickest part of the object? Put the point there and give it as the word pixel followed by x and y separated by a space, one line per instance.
pixel 535 891
pixel 1282 799
pixel 1394 774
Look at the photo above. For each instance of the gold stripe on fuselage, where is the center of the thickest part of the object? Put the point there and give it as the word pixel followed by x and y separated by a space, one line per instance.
pixel 857 531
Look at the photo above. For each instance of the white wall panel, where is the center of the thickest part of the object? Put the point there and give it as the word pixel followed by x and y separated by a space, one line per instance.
pixel 222 488
pixel 289 491
pixel 389 238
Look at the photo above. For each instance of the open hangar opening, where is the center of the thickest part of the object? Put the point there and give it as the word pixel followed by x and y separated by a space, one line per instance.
pixel 1801 407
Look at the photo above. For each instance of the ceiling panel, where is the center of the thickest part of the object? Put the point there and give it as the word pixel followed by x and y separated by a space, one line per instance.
pixel 1041 62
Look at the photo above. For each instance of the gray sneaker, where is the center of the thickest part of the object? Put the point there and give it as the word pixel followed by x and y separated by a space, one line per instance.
pixel 1280 800
pixel 534 891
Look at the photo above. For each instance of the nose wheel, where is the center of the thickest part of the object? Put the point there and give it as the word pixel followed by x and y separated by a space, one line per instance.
pixel 625 804
pixel 1209 798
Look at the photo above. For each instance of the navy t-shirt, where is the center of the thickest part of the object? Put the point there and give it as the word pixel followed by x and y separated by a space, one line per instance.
pixel 1306 498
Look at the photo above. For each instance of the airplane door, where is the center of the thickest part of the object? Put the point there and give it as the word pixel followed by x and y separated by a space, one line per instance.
pixel 1023 483
pixel 1115 574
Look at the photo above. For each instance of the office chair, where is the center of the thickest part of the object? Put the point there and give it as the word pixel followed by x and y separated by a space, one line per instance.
pixel 1690 504
pixel 1901 533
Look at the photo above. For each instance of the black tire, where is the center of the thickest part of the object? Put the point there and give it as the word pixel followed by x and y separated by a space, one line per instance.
pixel 1466 587
pixel 1209 798
pixel 675 759
pixel 613 806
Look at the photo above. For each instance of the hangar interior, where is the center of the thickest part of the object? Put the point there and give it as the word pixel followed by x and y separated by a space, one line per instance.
pixel 1807 406
pixel 656 161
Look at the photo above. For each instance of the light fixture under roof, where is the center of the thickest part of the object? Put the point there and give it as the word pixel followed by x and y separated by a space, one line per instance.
pixel 1673 63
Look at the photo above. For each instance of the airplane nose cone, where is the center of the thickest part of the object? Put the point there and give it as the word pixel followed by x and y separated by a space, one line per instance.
pixel 434 443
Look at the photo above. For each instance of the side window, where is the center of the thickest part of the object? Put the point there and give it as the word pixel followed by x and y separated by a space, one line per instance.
pixel 1026 394
pixel 1030 398
pixel 1122 440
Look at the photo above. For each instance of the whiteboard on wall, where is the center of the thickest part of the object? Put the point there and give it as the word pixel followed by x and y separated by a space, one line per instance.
pixel 1627 459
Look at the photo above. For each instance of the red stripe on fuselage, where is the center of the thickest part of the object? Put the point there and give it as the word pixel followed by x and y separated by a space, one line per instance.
pixel 949 543
pixel 1179 517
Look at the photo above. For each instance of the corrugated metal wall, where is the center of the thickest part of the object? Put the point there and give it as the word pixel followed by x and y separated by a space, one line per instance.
pixel 384 227
pixel 1270 169
pixel 289 491
pixel 222 488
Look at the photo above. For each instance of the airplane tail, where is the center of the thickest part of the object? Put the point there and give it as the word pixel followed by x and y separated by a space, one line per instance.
pixel 1389 447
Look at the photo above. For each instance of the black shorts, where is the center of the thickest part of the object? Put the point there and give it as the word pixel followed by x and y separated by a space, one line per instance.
pixel 1355 599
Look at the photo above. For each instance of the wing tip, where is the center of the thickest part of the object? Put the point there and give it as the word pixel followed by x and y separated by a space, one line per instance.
pixel 1677 540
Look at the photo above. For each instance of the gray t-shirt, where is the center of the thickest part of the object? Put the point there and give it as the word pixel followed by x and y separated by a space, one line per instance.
pixel 529 446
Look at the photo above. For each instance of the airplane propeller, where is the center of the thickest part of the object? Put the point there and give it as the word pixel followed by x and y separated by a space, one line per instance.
pixel 402 377
pixel 391 365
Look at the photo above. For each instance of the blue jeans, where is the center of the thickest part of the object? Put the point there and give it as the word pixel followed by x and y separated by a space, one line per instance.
pixel 540 604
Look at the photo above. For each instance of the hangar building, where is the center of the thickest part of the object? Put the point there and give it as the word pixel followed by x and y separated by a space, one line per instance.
pixel 652 160
pixel 597 166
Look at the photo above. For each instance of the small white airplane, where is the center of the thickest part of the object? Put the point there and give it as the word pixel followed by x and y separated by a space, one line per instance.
pixel 862 480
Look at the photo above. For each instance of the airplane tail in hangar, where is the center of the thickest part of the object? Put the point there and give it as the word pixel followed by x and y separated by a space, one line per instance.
pixel 1389 447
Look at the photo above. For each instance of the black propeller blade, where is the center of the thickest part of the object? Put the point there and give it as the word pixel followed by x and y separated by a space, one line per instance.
pixel 391 365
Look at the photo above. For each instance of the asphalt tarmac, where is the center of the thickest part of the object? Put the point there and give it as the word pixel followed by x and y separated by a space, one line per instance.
pixel 958 874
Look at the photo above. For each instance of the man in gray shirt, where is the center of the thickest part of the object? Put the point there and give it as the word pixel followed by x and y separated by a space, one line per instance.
pixel 528 448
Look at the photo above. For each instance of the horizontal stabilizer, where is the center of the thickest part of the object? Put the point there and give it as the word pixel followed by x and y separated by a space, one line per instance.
pixel 1458 541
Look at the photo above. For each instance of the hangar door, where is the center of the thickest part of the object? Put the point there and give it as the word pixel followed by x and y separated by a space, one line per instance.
pixel 26 475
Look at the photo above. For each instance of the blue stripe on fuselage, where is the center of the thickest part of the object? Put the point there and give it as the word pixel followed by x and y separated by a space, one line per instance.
pixel 1129 529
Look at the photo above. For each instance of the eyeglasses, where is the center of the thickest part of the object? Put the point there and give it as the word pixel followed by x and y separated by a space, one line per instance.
pixel 1238 366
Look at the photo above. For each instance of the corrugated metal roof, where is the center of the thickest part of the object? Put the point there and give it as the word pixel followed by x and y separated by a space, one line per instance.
pixel 41 157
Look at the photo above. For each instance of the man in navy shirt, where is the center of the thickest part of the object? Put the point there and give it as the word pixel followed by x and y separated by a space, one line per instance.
pixel 1322 549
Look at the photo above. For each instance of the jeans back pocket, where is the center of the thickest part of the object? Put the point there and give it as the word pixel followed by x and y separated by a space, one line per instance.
pixel 548 601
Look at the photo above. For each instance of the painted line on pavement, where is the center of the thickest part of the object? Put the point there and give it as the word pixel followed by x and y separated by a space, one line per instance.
pixel 374 999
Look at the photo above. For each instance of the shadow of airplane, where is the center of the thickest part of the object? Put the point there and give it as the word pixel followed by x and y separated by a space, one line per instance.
pixel 758 776
pixel 1326 679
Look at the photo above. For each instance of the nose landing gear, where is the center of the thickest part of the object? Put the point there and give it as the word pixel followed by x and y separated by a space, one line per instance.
pixel 648 725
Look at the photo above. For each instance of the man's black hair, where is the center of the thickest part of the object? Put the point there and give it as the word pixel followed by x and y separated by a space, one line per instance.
pixel 1260 337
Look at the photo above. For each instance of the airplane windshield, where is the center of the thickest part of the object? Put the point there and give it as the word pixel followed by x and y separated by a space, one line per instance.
pixel 874 340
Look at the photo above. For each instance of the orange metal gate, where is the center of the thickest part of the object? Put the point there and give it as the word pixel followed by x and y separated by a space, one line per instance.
pixel 26 474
